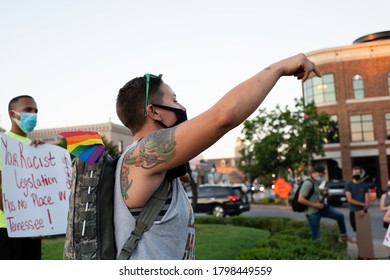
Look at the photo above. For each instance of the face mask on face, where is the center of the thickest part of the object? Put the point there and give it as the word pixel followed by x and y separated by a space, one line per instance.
pixel 319 179
pixel 180 115
pixel 356 177
pixel 27 121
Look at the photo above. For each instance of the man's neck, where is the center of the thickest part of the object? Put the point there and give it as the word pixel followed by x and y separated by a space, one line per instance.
pixel 16 130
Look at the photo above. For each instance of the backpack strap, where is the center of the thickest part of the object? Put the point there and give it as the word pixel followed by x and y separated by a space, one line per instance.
pixel 146 218
pixel 312 188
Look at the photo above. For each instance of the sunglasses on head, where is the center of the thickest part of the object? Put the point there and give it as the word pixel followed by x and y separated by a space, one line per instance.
pixel 147 78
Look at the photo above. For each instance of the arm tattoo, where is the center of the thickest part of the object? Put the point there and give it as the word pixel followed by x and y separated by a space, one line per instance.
pixel 156 148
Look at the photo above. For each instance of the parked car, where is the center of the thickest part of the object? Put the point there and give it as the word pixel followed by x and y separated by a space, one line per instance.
pixel 335 192
pixel 221 200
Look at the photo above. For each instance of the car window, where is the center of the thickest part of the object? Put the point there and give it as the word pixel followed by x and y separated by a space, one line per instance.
pixel 237 192
pixel 212 191
pixel 335 185
pixel 204 192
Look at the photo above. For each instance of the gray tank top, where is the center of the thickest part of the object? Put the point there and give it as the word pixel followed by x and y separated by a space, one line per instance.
pixel 171 238
pixel 387 200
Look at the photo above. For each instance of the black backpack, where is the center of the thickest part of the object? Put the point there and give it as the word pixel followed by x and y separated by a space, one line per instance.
pixel 90 228
pixel 295 204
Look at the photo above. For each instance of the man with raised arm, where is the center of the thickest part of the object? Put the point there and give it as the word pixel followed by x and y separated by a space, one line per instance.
pixel 164 141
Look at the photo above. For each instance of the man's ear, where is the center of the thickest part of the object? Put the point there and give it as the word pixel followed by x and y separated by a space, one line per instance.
pixel 12 114
pixel 153 112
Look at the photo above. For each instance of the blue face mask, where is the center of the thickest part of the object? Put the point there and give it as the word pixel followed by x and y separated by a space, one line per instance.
pixel 319 179
pixel 27 121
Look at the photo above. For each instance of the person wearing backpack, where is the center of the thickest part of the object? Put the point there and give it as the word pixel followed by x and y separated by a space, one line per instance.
pixel 164 141
pixel 317 207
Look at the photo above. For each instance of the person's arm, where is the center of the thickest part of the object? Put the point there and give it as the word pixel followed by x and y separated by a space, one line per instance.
pixel 382 203
pixel 196 135
pixel 366 200
pixel 304 192
pixel 386 218
pixel 317 205
pixel 350 200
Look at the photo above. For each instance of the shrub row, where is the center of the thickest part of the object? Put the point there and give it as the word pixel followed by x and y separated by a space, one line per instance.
pixel 290 239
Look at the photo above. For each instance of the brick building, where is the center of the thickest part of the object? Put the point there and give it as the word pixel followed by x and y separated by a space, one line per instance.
pixel 355 91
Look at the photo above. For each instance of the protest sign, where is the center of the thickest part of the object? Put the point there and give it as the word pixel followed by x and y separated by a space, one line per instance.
pixel 36 184
pixel 282 188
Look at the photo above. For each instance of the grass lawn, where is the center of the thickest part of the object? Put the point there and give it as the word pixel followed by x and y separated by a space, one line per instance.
pixel 224 242
pixel 53 248
pixel 213 242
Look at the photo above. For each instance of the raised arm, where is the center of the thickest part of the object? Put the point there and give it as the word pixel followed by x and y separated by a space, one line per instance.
pixel 163 149
pixel 196 135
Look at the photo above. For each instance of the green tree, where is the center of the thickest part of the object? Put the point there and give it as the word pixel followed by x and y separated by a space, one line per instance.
pixel 281 139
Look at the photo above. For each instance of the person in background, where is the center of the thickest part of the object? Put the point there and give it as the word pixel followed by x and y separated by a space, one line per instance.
pixel 22 111
pixel 164 141
pixel 386 219
pixel 384 204
pixel 356 192
pixel 317 208
pixel 385 199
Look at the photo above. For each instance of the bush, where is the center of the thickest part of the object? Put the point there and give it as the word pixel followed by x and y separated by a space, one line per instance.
pixel 289 240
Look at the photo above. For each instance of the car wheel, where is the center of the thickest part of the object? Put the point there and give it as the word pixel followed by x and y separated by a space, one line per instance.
pixel 218 211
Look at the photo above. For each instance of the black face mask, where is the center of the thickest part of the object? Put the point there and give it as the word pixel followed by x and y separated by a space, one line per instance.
pixel 356 177
pixel 181 117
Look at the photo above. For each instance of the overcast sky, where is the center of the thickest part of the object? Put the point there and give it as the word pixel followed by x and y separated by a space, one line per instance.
pixel 73 56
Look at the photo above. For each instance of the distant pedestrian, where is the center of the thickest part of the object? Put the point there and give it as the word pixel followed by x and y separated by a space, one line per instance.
pixel 385 203
pixel 317 207
pixel 356 192
pixel 386 240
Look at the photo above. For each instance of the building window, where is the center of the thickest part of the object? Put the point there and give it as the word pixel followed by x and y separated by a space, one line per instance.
pixel 319 89
pixel 333 130
pixel 358 86
pixel 388 82
pixel 387 117
pixel 362 128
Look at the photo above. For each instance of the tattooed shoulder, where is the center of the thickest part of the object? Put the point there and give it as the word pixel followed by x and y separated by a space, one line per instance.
pixel 156 148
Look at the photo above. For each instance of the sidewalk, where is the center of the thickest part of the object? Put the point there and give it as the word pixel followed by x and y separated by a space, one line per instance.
pixel 380 251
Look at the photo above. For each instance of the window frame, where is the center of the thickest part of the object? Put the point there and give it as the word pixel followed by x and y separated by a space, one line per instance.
pixel 320 89
pixel 363 127
pixel 358 86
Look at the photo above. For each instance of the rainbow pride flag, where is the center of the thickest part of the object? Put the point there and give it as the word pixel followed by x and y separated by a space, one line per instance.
pixel 86 145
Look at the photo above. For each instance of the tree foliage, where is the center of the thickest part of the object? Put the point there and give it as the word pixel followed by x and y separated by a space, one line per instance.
pixel 280 139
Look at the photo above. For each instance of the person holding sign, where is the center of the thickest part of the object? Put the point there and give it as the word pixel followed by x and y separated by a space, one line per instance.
pixel 23 114
pixel 356 192
pixel 165 141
